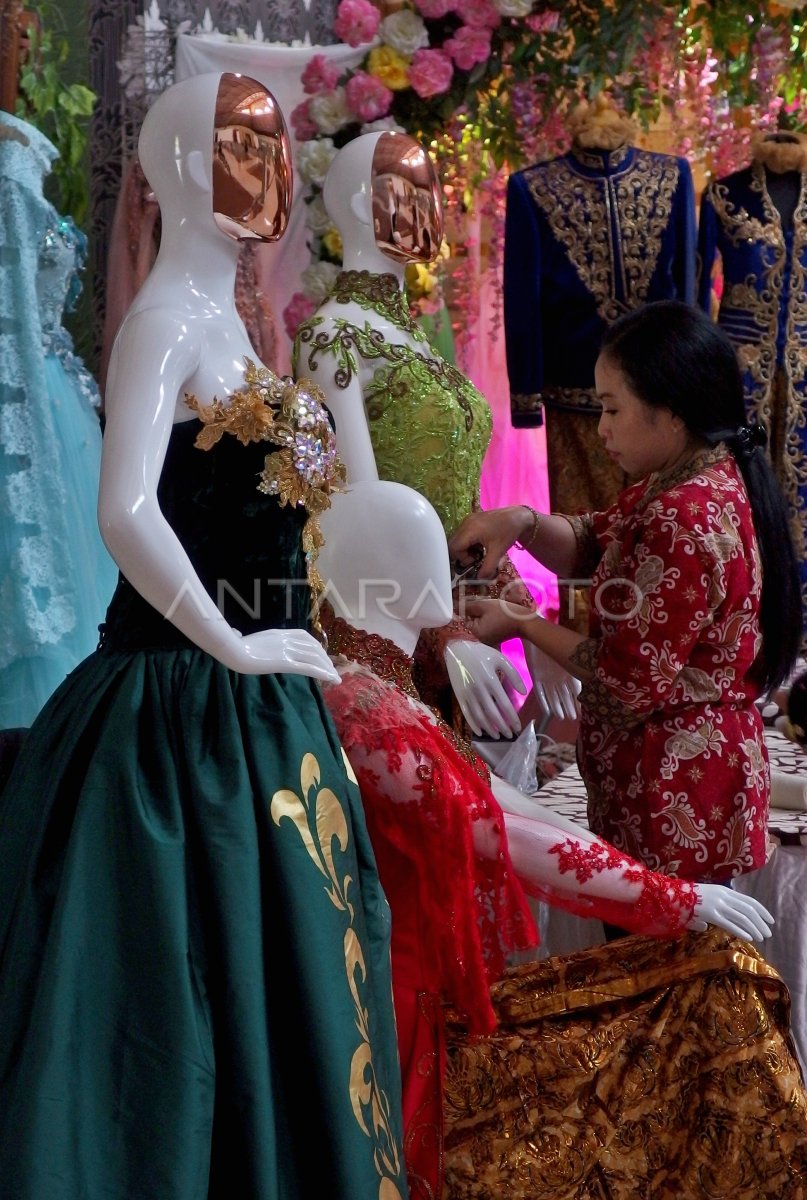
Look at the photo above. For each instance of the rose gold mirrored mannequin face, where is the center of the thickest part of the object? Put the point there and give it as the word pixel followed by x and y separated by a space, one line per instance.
pixel 251 161
pixel 407 203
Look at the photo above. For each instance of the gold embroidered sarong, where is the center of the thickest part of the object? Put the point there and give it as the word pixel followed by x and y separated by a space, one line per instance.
pixel 642 1070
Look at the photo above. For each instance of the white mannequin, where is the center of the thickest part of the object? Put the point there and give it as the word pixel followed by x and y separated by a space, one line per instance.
pixel 473 668
pixel 366 532
pixel 555 689
pixel 182 334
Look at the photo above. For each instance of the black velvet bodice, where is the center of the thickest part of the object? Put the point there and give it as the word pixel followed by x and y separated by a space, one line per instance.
pixel 245 547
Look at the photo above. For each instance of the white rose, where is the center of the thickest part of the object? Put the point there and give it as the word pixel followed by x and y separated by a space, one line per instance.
pixel 405 31
pixel 318 280
pixel 383 125
pixel 329 111
pixel 314 158
pixel 515 8
pixel 316 217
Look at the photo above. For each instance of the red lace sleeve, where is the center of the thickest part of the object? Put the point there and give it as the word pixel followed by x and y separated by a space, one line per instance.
pixel 427 802
pixel 593 879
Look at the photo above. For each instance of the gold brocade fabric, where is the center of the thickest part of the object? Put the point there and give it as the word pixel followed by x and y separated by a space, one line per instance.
pixel 640 1070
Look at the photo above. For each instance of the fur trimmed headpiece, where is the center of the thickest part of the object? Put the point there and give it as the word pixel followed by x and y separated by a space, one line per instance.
pixel 600 125
pixel 780 152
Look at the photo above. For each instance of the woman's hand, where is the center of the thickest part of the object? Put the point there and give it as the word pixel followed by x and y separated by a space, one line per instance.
pixel 495 531
pixel 494 621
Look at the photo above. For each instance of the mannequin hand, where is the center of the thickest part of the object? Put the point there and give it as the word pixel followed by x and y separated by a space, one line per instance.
pixel 495 530
pixel 473 670
pixel 283 651
pixel 741 915
pixel 555 689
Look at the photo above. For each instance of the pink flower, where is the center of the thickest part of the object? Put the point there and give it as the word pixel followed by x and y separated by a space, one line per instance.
pixel 302 122
pixel 319 75
pixel 298 309
pixel 430 73
pixel 356 22
pixel 481 14
pixel 433 10
pixel 468 46
pixel 368 97
pixel 546 22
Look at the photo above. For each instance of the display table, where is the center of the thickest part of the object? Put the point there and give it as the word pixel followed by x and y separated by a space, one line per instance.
pixel 781 885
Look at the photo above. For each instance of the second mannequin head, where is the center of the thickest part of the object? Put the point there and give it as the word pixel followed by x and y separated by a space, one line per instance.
pixel 384 186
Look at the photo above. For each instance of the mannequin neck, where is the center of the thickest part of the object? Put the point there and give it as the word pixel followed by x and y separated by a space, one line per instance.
pixel 201 259
pixel 362 254
pixel 602 159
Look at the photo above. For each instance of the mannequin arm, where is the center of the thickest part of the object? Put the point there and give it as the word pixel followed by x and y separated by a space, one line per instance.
pixel 152 358
pixel 473 671
pixel 344 397
pixel 346 406
pixel 592 879
pixel 512 801
pixel 580 870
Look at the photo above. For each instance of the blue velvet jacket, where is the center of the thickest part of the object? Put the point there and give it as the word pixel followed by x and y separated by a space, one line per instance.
pixel 588 236
pixel 763 309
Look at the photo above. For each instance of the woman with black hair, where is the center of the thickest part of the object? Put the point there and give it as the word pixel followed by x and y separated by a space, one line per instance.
pixel 696 608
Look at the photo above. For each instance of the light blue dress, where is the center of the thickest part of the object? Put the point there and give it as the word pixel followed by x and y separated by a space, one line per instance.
pixel 56 577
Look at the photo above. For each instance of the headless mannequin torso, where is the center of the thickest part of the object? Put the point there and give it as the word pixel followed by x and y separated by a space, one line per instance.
pixel 782 156
pixel 436 819
pixel 370 535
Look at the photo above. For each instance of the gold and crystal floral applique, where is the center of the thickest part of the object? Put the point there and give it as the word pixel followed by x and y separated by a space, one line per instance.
pixel 306 469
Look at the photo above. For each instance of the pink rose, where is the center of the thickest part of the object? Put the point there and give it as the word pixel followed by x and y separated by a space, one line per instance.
pixel 433 10
pixel 298 309
pixel 468 47
pixel 430 73
pixel 319 75
pixel 368 97
pixel 546 22
pixel 481 14
pixel 302 122
pixel 356 22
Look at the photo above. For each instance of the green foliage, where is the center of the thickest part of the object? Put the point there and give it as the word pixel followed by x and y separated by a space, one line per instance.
pixel 62 112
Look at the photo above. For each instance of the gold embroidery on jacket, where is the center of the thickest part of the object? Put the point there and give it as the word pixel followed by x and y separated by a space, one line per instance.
pixel 761 299
pixel 580 212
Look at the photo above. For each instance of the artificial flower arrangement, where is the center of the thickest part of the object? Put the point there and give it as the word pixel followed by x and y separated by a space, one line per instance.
pixel 485 85
pixel 424 68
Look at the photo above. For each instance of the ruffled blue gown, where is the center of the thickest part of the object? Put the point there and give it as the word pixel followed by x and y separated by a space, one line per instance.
pixel 56 577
